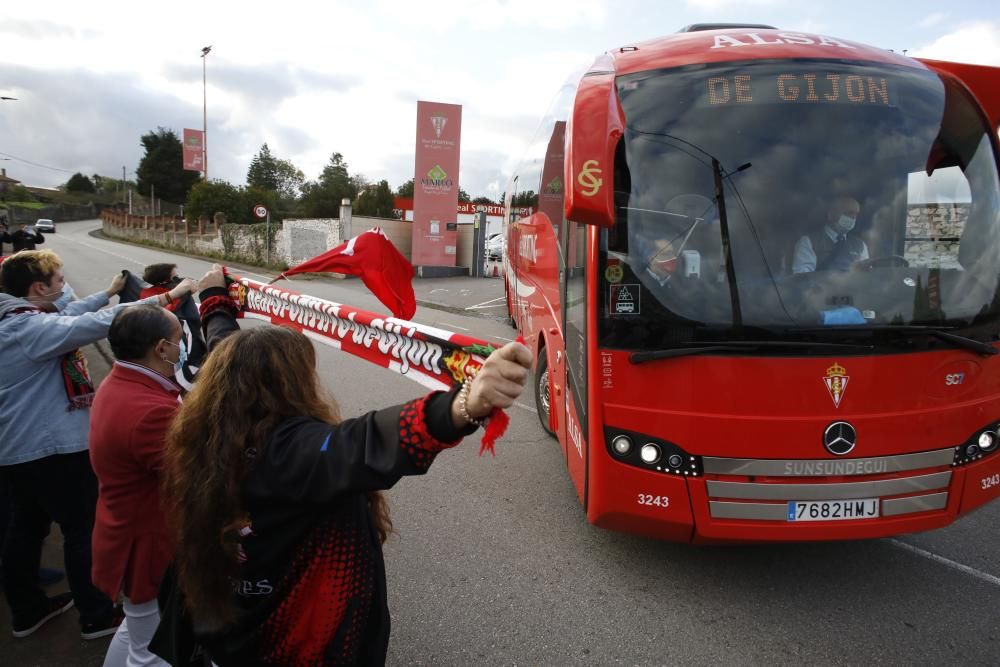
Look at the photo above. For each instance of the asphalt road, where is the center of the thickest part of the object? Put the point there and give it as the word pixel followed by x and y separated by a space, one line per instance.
pixel 493 562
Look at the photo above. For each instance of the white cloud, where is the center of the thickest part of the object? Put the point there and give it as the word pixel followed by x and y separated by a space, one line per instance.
pixel 932 20
pixel 729 5
pixel 977 43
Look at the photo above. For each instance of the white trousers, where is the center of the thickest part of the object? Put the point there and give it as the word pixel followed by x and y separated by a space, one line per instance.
pixel 130 645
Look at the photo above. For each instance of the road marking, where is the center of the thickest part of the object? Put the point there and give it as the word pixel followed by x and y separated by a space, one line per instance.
pixel 947 562
pixel 113 254
pixel 485 304
pixel 526 407
pixel 509 340
pixel 455 326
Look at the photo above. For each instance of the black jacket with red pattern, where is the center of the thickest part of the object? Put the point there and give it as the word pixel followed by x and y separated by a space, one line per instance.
pixel 312 588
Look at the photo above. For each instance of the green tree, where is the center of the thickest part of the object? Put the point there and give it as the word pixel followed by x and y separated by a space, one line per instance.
pixel 80 183
pixel 290 181
pixel 263 171
pixel 405 190
pixel 161 168
pixel 484 200
pixel 209 197
pixel 321 199
pixel 375 201
pixel 463 196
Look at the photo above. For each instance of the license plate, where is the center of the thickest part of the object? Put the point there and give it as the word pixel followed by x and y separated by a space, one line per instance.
pixel 832 510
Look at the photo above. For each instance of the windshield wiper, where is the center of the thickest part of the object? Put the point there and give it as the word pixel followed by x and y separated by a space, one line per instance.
pixel 706 347
pixel 961 342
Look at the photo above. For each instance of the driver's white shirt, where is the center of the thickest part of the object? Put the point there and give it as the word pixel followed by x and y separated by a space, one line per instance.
pixel 804 257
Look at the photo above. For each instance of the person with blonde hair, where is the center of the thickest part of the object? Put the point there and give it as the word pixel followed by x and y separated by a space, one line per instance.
pixel 45 398
pixel 277 505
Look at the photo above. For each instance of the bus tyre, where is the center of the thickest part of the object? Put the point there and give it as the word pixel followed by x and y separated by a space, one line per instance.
pixel 543 391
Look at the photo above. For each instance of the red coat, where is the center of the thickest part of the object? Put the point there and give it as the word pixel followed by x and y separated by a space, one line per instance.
pixel 128 425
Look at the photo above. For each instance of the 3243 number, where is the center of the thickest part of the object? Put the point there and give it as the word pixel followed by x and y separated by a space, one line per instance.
pixel 991 481
pixel 655 501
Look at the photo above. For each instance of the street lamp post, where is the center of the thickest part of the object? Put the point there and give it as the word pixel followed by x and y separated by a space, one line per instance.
pixel 204 110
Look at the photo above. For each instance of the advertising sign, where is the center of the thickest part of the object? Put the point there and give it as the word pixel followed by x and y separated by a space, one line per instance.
pixel 435 183
pixel 194 154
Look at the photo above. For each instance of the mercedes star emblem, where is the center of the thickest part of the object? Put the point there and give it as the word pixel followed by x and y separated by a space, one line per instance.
pixel 840 438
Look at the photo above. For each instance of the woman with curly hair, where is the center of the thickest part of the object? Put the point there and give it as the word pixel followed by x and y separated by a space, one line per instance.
pixel 276 502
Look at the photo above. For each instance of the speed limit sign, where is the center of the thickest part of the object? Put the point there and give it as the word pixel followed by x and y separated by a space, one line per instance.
pixel 260 211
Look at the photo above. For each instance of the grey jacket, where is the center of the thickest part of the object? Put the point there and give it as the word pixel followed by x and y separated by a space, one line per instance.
pixel 34 419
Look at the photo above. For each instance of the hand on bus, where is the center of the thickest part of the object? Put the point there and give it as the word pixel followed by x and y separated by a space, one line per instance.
pixel 499 382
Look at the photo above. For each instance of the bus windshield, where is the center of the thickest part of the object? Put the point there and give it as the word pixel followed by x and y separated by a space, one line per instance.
pixel 779 198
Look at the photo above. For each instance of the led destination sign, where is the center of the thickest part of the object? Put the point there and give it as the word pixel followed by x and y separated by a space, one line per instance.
pixel 804 87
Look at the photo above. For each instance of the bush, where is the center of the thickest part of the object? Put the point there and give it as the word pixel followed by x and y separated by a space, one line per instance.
pixel 208 198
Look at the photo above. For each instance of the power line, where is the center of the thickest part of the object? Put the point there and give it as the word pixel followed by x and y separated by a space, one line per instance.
pixel 35 164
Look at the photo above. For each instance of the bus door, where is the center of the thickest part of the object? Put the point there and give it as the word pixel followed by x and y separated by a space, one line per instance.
pixel 571 371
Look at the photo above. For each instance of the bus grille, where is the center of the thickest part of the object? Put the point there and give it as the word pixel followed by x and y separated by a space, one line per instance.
pixel 923 490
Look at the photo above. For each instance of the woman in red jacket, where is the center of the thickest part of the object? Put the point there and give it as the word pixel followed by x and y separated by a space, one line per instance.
pixel 277 504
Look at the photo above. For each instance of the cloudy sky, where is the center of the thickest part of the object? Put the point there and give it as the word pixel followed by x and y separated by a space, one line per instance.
pixel 315 78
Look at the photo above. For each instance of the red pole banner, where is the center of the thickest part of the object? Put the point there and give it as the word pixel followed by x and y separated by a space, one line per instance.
pixel 435 184
pixel 435 358
pixel 193 150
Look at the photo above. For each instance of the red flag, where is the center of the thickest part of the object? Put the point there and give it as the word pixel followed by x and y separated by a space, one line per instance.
pixel 382 269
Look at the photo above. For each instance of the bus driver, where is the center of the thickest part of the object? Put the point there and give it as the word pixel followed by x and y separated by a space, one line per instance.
pixel 832 248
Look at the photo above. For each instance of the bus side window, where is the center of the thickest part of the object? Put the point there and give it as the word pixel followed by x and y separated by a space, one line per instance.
pixel 618 234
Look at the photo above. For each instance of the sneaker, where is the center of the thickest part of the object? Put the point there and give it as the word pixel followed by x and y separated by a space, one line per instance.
pixel 108 626
pixel 48 576
pixel 53 607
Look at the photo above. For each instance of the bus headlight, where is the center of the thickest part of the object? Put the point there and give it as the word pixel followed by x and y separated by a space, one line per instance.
pixel 987 441
pixel 622 445
pixel 650 453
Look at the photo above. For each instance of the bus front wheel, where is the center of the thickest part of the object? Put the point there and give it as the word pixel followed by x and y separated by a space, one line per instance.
pixel 543 391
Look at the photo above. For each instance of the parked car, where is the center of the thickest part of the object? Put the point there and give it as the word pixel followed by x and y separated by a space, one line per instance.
pixel 495 245
pixel 45 225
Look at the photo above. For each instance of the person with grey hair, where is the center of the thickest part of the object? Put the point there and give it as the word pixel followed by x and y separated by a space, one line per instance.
pixel 132 411
pixel 833 248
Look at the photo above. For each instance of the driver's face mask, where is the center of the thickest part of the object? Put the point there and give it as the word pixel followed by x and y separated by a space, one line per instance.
pixel 845 224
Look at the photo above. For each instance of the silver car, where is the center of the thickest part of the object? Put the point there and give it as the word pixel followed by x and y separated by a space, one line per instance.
pixel 45 225
pixel 495 246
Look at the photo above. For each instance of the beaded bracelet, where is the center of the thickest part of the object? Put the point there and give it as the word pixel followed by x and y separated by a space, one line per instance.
pixel 463 396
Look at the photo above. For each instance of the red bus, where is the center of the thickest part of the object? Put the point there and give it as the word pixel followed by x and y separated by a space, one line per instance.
pixel 761 273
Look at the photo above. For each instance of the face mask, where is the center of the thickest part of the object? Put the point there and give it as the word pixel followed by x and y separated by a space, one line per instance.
pixel 67 297
pixel 43 298
pixel 182 355
pixel 845 224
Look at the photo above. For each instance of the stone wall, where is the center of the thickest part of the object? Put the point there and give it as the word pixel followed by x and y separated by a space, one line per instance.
pixel 933 233
pixel 293 241
pixel 305 238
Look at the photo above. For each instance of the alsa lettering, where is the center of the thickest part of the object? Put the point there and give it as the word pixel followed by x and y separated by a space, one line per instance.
pixel 753 39
pixel 526 248
pixel 399 344
pixel 574 433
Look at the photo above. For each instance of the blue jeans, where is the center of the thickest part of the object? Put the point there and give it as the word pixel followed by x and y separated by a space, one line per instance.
pixel 63 489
